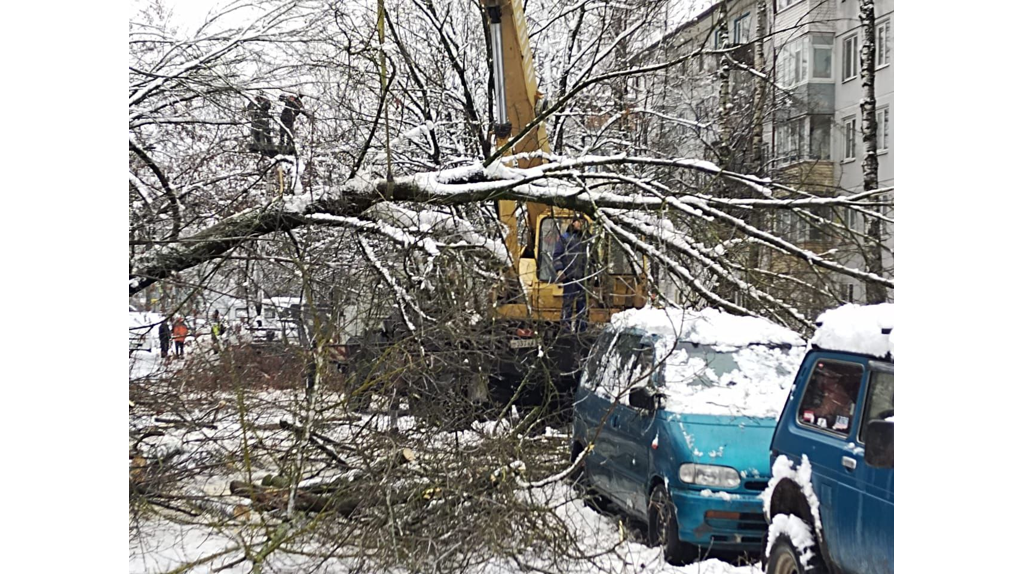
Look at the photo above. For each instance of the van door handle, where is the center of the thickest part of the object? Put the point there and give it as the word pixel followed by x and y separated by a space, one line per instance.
pixel 849 463
pixel 615 421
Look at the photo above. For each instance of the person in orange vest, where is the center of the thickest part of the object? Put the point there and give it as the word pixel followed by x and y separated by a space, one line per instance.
pixel 179 332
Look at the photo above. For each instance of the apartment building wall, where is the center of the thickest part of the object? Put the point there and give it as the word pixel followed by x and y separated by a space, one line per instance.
pixel 690 93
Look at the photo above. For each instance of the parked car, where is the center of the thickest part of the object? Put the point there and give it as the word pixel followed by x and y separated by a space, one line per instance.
pixel 677 410
pixel 830 502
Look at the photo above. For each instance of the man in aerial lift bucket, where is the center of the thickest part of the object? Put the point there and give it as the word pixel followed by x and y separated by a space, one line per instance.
pixel 259 116
pixel 292 109
pixel 571 264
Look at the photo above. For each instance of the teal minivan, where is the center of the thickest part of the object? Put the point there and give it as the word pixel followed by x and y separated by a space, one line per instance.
pixel 676 411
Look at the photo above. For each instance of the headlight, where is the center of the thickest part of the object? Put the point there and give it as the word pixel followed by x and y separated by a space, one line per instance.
pixel 709 475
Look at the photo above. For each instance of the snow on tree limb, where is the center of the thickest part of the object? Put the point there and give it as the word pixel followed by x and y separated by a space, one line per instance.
pixel 550 184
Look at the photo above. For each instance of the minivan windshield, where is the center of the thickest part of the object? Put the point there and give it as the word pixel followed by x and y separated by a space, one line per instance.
pixel 752 380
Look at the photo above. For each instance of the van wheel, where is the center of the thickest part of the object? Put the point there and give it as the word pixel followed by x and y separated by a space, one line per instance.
pixel 784 558
pixel 663 529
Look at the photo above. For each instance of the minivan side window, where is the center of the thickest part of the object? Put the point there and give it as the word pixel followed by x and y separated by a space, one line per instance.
pixel 644 365
pixel 598 358
pixel 880 400
pixel 831 396
pixel 622 360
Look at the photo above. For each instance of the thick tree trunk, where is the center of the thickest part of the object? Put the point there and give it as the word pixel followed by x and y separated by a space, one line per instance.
pixel 277 499
pixel 875 293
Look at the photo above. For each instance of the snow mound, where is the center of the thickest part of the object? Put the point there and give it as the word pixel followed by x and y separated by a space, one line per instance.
pixel 857 329
pixel 707 327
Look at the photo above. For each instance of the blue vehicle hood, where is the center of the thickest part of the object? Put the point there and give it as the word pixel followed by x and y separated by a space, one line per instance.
pixel 737 441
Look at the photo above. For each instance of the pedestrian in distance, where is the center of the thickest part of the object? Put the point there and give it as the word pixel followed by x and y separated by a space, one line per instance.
pixel 216 330
pixel 179 332
pixel 164 332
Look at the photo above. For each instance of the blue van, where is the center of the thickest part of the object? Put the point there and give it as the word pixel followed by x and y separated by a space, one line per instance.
pixel 675 411
pixel 830 503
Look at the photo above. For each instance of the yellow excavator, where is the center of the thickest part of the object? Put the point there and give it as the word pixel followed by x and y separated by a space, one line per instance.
pixel 530 302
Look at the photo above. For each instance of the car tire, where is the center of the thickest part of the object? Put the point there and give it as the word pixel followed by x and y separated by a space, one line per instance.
pixel 663 529
pixel 784 558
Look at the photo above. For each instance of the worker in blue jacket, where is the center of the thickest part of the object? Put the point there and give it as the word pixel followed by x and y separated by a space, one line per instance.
pixel 571 265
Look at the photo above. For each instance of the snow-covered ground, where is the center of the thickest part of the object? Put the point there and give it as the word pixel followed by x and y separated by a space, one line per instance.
pixel 163 546
pixel 602 543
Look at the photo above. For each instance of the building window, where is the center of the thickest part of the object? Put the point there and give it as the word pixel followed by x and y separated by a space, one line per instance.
pixel 791 141
pixel 792 227
pixel 783 4
pixel 851 58
pixel 849 138
pixel 883 43
pixel 849 293
pixel 818 230
pixel 741 29
pixel 721 37
pixel 821 48
pixel 882 129
pixel 793 63
pixel 851 219
pixel 821 137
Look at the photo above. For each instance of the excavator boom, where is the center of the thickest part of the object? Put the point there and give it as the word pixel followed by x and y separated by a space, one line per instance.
pixel 517 98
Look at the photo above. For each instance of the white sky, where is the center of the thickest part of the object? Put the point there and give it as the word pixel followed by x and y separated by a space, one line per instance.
pixel 187 15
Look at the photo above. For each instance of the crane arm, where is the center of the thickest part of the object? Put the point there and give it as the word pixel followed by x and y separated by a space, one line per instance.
pixel 516 96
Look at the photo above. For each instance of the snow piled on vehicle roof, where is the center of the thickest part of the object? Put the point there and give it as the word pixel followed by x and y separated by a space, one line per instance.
pixel 706 327
pixel 858 329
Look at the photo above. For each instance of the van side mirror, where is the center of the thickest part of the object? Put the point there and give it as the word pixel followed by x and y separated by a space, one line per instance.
pixel 643 398
pixel 878 444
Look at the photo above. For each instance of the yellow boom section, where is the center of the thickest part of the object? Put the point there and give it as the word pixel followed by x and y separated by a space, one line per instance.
pixel 521 96
pixel 516 85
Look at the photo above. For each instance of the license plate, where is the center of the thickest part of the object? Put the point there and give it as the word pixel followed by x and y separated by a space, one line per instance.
pixel 523 343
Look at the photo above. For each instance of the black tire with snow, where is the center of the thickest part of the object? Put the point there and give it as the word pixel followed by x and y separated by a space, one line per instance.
pixel 784 558
pixel 663 529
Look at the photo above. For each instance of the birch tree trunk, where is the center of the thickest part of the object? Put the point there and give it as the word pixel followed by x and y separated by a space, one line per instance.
pixel 757 135
pixel 724 103
pixel 873 254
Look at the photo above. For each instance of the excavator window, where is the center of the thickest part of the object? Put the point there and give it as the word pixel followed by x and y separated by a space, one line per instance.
pixel 550 229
